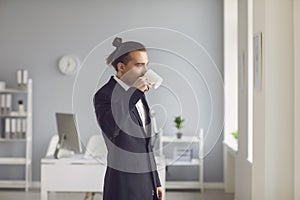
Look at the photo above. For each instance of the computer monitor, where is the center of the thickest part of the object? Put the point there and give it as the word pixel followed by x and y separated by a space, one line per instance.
pixel 68 133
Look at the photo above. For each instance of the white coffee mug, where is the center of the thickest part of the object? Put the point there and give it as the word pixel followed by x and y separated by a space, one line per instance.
pixel 154 78
pixel 2 85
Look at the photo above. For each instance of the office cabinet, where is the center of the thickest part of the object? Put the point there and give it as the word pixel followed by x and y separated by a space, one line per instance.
pixel 16 133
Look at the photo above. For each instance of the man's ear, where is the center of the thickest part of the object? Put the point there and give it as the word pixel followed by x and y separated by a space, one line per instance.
pixel 121 67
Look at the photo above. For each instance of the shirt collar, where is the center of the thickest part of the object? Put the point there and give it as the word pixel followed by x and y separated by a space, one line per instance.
pixel 124 85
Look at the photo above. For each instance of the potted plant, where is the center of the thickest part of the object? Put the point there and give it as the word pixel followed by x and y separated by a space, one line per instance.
pixel 178 123
pixel 235 134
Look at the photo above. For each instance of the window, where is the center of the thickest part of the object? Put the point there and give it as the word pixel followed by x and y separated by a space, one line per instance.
pixel 231 71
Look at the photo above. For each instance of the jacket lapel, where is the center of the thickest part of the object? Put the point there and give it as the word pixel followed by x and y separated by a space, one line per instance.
pixel 137 116
pixel 148 119
pixel 135 112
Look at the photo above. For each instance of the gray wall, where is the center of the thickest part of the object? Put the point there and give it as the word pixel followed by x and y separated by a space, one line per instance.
pixel 34 34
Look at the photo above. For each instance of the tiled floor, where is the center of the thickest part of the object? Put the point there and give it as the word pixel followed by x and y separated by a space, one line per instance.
pixel 170 195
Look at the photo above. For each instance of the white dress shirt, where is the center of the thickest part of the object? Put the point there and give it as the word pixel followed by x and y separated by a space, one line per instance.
pixel 139 105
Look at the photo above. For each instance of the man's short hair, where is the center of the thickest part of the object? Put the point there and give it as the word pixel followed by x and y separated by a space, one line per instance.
pixel 121 53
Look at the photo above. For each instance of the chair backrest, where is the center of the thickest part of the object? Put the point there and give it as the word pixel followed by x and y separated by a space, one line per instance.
pixel 52 146
pixel 96 146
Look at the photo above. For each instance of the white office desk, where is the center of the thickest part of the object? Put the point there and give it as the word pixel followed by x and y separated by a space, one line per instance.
pixel 78 174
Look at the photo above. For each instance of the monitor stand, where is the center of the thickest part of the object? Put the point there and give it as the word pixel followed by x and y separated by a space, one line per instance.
pixel 59 144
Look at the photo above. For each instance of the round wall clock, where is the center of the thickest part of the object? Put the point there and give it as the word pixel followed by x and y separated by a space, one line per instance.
pixel 68 64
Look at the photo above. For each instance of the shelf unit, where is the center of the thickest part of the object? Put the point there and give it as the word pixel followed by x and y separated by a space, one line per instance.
pixel 198 139
pixel 25 161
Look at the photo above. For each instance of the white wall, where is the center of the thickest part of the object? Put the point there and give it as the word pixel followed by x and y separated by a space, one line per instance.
pixel 273 163
pixel 297 96
pixel 258 169
pixel 279 100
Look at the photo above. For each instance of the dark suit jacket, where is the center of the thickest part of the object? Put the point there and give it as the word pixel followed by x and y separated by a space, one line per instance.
pixel 131 172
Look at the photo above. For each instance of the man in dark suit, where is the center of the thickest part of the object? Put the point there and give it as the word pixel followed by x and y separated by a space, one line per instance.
pixel 123 114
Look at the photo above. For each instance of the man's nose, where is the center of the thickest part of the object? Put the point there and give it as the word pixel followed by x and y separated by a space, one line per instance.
pixel 145 70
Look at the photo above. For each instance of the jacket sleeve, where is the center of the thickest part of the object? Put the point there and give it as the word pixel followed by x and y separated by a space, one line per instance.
pixel 158 184
pixel 113 112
